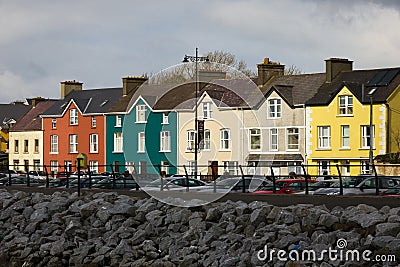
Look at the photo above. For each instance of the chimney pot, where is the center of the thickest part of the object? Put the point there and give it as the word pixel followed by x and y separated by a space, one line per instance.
pixel 268 70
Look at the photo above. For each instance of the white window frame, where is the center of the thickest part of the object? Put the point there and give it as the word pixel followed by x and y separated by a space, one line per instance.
pixel 165 118
pixel 73 117
pixel 94 166
pixel 293 132
pixel 207 140
pixel 16 146
pixel 118 142
pixel 321 167
pixel 225 142
pixel 190 140
pixel 274 108
pixel 273 134
pixel 207 111
pixel 345 136
pixel 365 168
pixel 54 144
pixel 164 166
pixel 191 167
pixel 141 142
pixel 165 141
pixel 324 138
pixel 254 133
pixel 26 146
pixel 36 146
pixel 54 166
pixel 345 106
pixel 231 167
pixel 73 143
pixel 94 143
pixel 54 123
pixel 141 113
pixel 94 121
pixel 366 137
pixel 118 121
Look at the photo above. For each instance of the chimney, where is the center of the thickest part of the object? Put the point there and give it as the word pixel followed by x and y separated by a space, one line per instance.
pixel 131 83
pixel 69 86
pixel 336 65
pixel 36 100
pixel 209 75
pixel 268 70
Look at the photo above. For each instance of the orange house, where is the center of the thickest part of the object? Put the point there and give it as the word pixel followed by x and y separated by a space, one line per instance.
pixel 76 124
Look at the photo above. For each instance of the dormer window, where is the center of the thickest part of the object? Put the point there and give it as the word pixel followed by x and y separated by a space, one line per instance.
pixel 73 117
pixel 345 105
pixel 207 111
pixel 274 108
pixel 141 113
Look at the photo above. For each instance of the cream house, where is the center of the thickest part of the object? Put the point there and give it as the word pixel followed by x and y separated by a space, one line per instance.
pixel 26 139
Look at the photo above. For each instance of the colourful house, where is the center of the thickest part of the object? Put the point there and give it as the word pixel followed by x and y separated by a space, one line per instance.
pixel 338 119
pixel 76 124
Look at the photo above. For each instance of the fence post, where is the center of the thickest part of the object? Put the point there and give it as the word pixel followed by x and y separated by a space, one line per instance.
pixel 113 176
pixel 273 180
pixel 187 178
pixel 340 180
pixel 243 180
pixel 214 176
pixel 90 178
pixel 376 179
pixel 306 177
pixel 9 177
pixel 28 180
pixel 79 176
pixel 47 176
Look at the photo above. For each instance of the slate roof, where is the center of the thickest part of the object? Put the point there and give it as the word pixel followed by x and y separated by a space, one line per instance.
pixel 353 80
pixel 31 121
pixel 12 111
pixel 93 101
pixel 295 89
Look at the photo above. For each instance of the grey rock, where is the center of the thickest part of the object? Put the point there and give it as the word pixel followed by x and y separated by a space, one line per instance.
pixel 391 229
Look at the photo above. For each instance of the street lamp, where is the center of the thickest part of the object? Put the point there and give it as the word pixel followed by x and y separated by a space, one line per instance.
pixel 195 59
pixel 371 136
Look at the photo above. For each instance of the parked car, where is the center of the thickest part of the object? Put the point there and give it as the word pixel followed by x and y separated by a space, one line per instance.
pixel 120 183
pixel 85 182
pixel 234 185
pixel 319 184
pixel 365 187
pixel 16 173
pixel 38 175
pixel 284 186
pixel 394 191
pixel 174 183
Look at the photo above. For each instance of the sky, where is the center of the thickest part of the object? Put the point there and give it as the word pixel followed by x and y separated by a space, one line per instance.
pixel 97 42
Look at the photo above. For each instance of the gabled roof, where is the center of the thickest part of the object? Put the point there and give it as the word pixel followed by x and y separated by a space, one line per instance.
pixel 13 111
pixel 385 80
pixel 295 89
pixel 31 121
pixel 93 101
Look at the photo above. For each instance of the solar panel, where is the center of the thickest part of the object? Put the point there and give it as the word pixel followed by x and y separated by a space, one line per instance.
pixel 388 77
pixel 383 78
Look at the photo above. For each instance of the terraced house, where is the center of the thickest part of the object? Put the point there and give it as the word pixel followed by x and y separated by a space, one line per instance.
pixel 143 138
pixel 10 114
pixel 338 118
pixel 26 138
pixel 76 124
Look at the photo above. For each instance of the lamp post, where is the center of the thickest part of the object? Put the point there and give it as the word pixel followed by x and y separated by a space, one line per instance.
pixel 195 59
pixel 371 130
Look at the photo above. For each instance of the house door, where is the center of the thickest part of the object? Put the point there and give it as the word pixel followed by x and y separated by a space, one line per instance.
pixel 213 169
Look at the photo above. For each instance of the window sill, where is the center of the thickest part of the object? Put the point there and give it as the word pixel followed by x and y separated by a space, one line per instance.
pixel 345 115
pixel 73 153
pixel 165 151
pixel 140 122
pixel 53 153
pixel 118 126
pixel 164 123
pixel 292 150
pixel 344 148
pixel 117 152
pixel 324 149
pixel 94 152
pixel 365 148
pixel 225 150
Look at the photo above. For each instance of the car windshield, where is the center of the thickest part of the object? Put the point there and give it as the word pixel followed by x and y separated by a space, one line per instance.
pixel 347 182
pixel 278 186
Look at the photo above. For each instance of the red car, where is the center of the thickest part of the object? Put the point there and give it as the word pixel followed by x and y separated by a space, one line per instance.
pixel 284 186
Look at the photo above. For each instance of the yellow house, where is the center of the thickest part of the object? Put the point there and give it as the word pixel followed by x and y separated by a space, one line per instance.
pixel 339 118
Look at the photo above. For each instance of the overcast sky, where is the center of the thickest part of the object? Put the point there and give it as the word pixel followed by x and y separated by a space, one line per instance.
pixel 98 42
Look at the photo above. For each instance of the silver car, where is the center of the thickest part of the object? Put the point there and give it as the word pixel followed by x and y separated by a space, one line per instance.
pixel 365 187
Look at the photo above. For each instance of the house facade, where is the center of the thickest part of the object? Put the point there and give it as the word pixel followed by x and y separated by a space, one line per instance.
pixel 76 125
pixel 26 139
pixel 340 116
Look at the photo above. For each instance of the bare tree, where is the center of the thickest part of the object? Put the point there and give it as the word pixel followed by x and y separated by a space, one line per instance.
pixel 229 59
pixel 293 70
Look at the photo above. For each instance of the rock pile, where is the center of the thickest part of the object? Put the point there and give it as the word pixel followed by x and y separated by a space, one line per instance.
pixel 107 229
